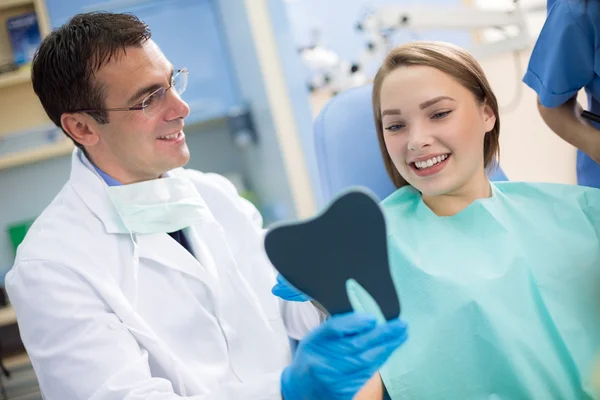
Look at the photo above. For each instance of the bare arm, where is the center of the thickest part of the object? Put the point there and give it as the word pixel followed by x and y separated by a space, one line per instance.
pixel 373 389
pixel 565 120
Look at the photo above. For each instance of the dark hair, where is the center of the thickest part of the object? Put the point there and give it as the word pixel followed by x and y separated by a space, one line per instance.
pixel 65 64
pixel 457 63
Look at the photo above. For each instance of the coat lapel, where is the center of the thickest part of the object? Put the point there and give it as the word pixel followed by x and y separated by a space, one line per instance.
pixel 157 247
pixel 164 250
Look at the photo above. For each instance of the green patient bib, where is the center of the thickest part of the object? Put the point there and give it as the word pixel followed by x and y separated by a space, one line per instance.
pixel 502 299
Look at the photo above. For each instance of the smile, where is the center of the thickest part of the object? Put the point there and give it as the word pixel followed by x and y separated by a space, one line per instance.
pixel 170 137
pixel 431 162
pixel 430 167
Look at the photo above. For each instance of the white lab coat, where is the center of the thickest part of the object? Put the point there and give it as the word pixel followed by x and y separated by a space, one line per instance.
pixel 104 318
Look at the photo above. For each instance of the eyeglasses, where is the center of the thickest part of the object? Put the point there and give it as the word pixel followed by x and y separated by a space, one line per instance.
pixel 155 100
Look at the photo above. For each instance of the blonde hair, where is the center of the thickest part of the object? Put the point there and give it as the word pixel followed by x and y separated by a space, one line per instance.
pixel 452 60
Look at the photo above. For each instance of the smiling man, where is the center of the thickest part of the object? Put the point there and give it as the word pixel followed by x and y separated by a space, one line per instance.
pixel 144 280
pixel 154 131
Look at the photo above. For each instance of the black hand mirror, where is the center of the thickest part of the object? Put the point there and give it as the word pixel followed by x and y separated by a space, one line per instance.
pixel 346 241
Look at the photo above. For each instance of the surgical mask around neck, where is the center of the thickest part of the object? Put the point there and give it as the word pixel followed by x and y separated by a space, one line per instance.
pixel 161 205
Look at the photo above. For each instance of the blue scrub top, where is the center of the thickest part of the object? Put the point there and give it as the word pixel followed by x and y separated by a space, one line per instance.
pixel 564 61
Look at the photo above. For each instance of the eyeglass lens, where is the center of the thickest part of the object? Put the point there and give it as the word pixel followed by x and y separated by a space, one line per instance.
pixel 154 101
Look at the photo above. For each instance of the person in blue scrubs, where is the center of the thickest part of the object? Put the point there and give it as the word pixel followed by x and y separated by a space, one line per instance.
pixel 564 60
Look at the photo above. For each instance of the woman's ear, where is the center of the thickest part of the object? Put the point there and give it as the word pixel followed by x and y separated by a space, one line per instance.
pixel 489 117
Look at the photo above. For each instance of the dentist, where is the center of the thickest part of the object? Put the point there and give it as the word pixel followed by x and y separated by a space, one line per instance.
pixel 143 280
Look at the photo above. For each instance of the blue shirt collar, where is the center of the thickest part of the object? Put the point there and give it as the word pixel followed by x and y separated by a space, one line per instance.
pixel 110 181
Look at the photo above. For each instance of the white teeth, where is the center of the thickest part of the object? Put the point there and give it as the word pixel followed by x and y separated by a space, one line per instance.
pixel 169 137
pixel 431 162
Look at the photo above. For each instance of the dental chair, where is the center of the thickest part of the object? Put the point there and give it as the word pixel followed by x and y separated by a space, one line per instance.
pixel 347 150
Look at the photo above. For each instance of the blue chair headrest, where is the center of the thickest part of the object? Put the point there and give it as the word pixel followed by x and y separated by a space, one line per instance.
pixel 346 146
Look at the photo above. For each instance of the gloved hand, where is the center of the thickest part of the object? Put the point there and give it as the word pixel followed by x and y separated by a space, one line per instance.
pixel 286 291
pixel 336 360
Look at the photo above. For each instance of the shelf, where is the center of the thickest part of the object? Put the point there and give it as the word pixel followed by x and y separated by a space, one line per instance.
pixel 17 361
pixel 6 4
pixel 63 148
pixel 17 77
pixel 7 316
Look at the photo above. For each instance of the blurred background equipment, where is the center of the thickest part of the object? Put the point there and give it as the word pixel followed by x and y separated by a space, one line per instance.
pixel 327 71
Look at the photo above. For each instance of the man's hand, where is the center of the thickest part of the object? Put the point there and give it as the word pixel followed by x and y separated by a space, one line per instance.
pixel 286 291
pixel 337 359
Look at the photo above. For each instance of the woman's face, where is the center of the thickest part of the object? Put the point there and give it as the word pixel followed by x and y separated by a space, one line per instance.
pixel 433 129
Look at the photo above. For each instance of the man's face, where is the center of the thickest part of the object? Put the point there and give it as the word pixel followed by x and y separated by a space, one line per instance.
pixel 134 146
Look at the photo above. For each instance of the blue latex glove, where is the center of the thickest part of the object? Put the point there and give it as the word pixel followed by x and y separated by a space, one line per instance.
pixel 286 291
pixel 336 360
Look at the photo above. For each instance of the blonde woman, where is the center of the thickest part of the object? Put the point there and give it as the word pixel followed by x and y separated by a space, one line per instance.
pixel 499 282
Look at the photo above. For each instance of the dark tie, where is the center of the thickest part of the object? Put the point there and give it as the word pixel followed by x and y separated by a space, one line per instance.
pixel 181 239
